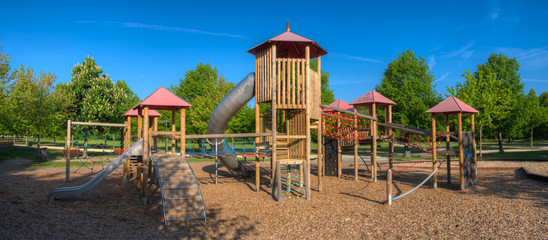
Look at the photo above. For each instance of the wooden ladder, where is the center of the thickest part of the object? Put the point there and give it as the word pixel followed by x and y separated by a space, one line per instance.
pixel 181 194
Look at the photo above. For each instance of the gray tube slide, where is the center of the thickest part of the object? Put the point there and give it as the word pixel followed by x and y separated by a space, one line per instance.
pixel 238 97
pixel 135 150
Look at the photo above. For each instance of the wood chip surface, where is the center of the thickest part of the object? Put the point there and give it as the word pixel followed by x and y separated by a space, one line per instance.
pixel 504 205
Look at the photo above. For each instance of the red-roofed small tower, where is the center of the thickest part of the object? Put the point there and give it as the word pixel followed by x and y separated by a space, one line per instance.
pixel 283 79
pixel 468 167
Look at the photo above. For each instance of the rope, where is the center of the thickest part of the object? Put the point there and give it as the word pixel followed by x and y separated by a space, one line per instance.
pixel 420 185
pixel 441 138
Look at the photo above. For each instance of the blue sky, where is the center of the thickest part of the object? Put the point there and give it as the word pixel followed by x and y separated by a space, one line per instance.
pixel 153 43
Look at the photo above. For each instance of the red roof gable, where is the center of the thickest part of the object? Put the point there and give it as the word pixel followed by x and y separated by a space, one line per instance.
pixel 342 105
pixel 372 97
pixel 163 99
pixel 133 113
pixel 293 43
pixel 452 105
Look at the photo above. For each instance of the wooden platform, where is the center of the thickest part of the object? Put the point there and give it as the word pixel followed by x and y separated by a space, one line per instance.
pixel 181 194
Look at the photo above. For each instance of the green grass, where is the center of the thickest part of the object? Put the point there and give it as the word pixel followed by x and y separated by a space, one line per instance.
pixel 27 153
pixel 517 155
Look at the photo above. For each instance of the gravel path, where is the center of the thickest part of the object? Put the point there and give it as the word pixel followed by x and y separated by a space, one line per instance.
pixel 505 205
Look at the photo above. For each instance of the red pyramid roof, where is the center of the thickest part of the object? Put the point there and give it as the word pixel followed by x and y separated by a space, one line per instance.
pixel 291 42
pixel 372 97
pixel 452 105
pixel 133 113
pixel 342 105
pixel 163 99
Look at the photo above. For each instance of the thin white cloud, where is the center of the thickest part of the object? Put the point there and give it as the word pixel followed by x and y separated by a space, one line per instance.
pixel 528 58
pixel 443 77
pixel 346 56
pixel 431 62
pixel 535 80
pixel 165 28
pixel 463 52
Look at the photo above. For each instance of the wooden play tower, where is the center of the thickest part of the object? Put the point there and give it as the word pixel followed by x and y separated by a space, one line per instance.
pixel 285 83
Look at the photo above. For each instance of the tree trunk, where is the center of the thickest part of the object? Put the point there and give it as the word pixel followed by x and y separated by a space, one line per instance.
pixel 54 138
pixel 531 137
pixel 27 138
pixel 481 142
pixel 500 143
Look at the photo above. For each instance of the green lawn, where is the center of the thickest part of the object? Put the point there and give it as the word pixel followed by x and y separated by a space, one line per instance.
pixel 517 155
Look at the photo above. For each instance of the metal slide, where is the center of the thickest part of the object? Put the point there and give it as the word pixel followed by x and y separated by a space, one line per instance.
pixel 135 150
pixel 238 97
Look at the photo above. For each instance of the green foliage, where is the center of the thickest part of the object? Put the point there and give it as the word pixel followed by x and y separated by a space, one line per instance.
pixel 408 81
pixel 327 94
pixel 204 89
pixel 5 79
pixel 494 90
pixel 95 97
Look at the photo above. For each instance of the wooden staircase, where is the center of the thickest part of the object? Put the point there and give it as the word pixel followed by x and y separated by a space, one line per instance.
pixel 180 191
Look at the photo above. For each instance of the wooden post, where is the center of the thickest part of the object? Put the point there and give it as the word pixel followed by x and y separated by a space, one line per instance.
pixel 126 147
pixel 274 108
pixel 183 129
pixel 461 159
pixel 447 147
pixel 374 144
pixel 355 147
pixel 339 142
pixel 67 148
pixel 257 140
pixel 434 153
pixel 320 131
pixel 139 123
pixel 308 108
pixel 173 129
pixel 389 186
pixel 155 129
pixel 320 154
pixel 473 129
pixel 390 133
pixel 146 159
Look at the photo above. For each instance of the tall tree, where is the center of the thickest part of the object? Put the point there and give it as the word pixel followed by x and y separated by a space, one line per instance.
pixel 5 78
pixel 408 81
pixel 327 94
pixel 494 90
pixel 531 113
pixel 95 97
pixel 204 89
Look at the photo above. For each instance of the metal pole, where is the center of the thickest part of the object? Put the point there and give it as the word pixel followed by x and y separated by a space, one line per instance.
pixel 389 186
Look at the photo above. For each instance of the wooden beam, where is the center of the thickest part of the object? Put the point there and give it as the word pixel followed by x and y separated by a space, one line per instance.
pixel 348 112
pixel 182 132
pixel 67 149
pixel 390 132
pixel 274 129
pixel 473 128
pixel 355 146
pixel 461 158
pixel 100 124
pixel 297 50
pixel 173 129
pixel 374 143
pixel 434 156
pixel 308 108
pixel 447 147
pixel 146 159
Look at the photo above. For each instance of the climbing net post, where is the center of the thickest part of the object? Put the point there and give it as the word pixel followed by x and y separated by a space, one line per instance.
pixel 291 180
pixel 95 145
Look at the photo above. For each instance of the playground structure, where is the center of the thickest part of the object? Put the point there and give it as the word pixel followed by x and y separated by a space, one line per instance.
pixel 284 86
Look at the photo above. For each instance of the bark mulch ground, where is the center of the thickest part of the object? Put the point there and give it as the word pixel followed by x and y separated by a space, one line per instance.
pixel 505 205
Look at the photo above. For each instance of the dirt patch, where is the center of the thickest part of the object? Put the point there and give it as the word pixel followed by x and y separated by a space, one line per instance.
pixel 505 204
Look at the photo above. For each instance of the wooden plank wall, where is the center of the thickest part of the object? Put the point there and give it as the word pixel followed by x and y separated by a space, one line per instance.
pixel 296 126
pixel 316 92
pixel 291 82
pixel 263 73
